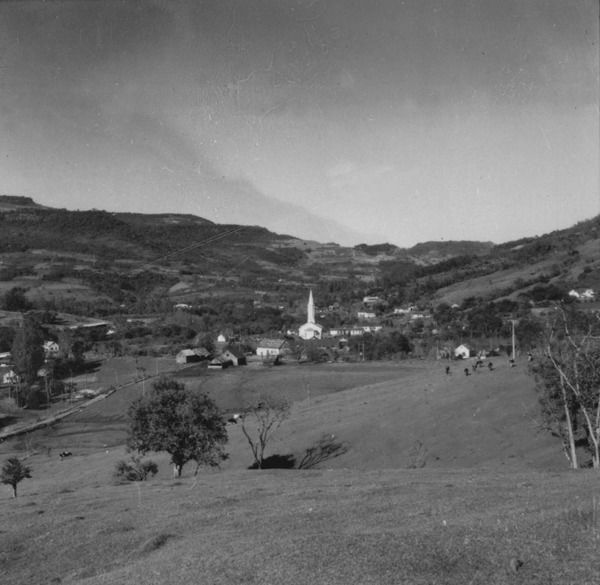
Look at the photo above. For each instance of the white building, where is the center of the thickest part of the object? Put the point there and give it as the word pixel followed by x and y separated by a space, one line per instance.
pixel 311 329
pixel 371 300
pixel 366 315
pixel 586 295
pixel 462 352
pixel 51 349
pixel 269 348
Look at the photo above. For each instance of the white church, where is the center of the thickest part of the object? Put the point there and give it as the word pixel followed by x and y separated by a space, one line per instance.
pixel 310 329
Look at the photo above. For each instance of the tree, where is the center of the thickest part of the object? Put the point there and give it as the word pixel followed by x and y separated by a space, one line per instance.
pixel 13 472
pixel 7 336
pixel 569 382
pixel 186 425
pixel 27 350
pixel 259 423
pixel 15 300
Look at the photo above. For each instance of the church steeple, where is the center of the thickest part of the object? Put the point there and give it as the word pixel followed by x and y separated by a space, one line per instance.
pixel 310 309
pixel 311 329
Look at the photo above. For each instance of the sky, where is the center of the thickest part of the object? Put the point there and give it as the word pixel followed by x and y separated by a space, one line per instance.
pixel 336 120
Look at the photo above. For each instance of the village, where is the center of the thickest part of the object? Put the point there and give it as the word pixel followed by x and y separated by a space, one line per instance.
pixel 409 331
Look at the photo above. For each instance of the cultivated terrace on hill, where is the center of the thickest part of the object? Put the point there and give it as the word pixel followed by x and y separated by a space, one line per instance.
pixel 129 258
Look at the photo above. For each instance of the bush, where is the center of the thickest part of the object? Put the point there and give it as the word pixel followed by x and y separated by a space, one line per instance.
pixel 135 470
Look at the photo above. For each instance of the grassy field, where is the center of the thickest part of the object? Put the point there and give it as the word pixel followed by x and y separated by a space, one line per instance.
pixel 489 490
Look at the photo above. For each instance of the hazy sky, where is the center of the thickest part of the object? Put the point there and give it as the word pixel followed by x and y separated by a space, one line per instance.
pixel 343 120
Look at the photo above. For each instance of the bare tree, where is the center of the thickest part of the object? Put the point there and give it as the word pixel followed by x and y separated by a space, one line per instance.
pixel 326 448
pixel 569 380
pixel 259 424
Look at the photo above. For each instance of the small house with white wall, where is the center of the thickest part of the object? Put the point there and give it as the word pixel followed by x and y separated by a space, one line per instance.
pixel 366 315
pixel 51 349
pixel 270 348
pixel 462 352
pixel 8 377
pixel 188 356
pixel 233 355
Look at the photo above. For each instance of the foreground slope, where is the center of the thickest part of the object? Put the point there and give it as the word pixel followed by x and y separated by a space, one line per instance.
pixel 492 489
pixel 338 527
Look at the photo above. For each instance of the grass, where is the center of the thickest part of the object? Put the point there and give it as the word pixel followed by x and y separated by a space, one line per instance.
pixel 487 491
pixel 319 526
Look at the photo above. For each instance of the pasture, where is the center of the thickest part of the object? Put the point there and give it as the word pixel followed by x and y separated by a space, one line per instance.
pixel 488 490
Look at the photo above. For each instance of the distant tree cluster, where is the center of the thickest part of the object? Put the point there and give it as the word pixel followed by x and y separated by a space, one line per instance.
pixel 380 345
pixel 15 300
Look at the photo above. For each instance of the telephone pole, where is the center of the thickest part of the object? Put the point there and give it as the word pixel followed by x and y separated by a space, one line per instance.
pixel 512 321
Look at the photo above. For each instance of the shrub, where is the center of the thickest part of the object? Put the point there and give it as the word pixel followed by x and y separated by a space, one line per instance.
pixel 135 470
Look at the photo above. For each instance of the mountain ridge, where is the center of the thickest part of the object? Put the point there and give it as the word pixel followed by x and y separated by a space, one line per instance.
pixel 192 255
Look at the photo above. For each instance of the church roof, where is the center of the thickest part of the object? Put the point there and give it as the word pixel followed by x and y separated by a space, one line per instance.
pixel 311 326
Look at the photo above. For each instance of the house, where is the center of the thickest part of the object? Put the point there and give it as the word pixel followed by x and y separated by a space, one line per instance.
pixel 404 310
pixel 44 372
pixel 219 363
pixel 270 348
pixel 365 315
pixel 51 349
pixel 462 352
pixel 220 343
pixel 188 356
pixel 415 316
pixel 182 307
pixel 8 376
pixel 371 328
pixel 371 300
pixel 234 355
pixel 586 295
pixel 203 353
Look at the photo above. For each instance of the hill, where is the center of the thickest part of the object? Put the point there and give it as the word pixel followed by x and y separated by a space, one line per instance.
pixel 565 259
pixel 16 202
pixel 102 260
pixel 106 255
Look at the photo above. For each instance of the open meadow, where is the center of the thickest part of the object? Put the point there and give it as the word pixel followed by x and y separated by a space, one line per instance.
pixel 442 479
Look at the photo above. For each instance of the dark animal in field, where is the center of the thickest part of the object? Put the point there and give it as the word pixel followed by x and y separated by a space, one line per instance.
pixel 447 370
pixel 491 366
pixel 515 564
pixel 64 454
pixel 467 373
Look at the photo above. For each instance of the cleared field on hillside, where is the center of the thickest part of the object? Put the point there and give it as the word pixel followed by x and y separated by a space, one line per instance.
pixel 388 415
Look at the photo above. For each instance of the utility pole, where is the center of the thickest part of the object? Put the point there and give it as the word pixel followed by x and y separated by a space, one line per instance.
pixel 512 321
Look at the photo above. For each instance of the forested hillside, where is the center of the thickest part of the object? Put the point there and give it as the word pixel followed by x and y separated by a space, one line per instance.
pixel 112 259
